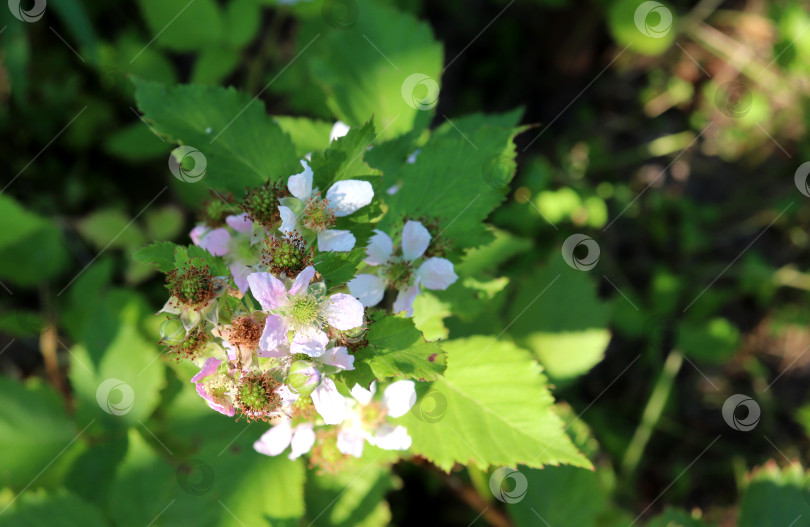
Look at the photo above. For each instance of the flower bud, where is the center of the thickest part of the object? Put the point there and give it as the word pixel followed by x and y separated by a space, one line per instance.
pixel 303 377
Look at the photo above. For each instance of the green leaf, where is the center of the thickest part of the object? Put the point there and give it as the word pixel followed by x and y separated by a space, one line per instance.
pixel 36 509
pixel 562 496
pixel 491 408
pixel 218 487
pixel 675 518
pixel 134 142
pixel 308 135
pixel 558 315
pixel 160 254
pixel 163 223
pixel 362 69
pixel 344 159
pixel 776 496
pixel 180 25
pixel 16 222
pixel 337 268
pixel 398 350
pixel 242 146
pixel 459 177
pixel 34 430
pixel 713 340
pixel 110 228
pixel 213 64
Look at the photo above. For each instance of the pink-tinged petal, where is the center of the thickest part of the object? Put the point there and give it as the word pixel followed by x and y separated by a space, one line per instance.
pixel 436 273
pixel 274 441
pixel 240 223
pixel 300 185
pixel 302 281
pixel 335 240
pixel 415 240
pixel 391 438
pixel 349 195
pixel 209 368
pixel 302 440
pixel 405 298
pixel 350 440
pixel 288 397
pixel 339 357
pixel 230 350
pixel 363 396
pixel 329 403
pixel 339 129
pixel 216 242
pixel 344 312
pixel 274 337
pixel 288 219
pixel 311 341
pixel 203 392
pixel 197 233
pixel 367 288
pixel 268 290
pixel 399 397
pixel 240 273
pixel 379 250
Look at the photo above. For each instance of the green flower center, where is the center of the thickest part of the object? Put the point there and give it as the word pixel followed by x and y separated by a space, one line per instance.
pixel 305 310
pixel 318 216
pixel 398 273
pixel 192 285
pixel 261 203
pixel 288 255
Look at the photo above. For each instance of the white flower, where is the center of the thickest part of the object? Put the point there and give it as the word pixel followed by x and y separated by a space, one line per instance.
pixel 366 419
pixel 318 215
pixel 398 271
pixel 300 438
pixel 339 129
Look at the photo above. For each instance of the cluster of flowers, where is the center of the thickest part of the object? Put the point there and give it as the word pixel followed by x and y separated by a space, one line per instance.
pixel 275 362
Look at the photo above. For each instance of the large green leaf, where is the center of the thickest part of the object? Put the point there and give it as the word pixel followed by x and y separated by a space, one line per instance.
pixel 491 408
pixel 66 510
pixel 362 68
pixel 241 144
pixel 776 496
pixel 180 25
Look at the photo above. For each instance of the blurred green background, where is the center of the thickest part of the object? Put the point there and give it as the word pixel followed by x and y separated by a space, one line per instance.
pixel 675 150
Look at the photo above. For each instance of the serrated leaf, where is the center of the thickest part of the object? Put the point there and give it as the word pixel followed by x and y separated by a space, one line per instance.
pixel 397 349
pixel 35 509
pixel 242 145
pixel 308 135
pixel 491 408
pixel 159 254
pixel 337 268
pixel 344 159
pixel 461 174
pixel 182 26
pixel 776 496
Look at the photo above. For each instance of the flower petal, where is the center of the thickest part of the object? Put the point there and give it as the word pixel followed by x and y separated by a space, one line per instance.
pixel 311 341
pixel 415 240
pixel 202 391
pixel 240 273
pixel 399 397
pixel 405 298
pixel 362 395
pixel 302 281
pixel 391 438
pixel 339 357
pixel 216 242
pixel 379 250
pixel 328 402
pixel 274 337
pixel 350 440
pixel 209 368
pixel 339 129
pixel 240 223
pixel 288 219
pixel 274 441
pixel 344 312
pixel 288 397
pixel 367 288
pixel 302 440
pixel 334 240
pixel 197 233
pixel 300 185
pixel 436 273
pixel 268 290
pixel 349 195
